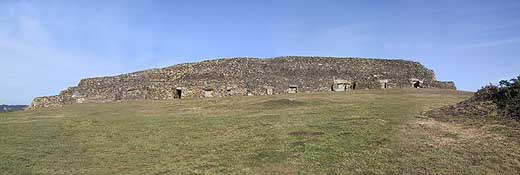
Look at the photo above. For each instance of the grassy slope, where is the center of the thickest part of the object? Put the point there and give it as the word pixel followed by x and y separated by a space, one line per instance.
pixel 374 132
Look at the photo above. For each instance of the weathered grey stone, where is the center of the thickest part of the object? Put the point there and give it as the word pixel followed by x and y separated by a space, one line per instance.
pixel 384 83
pixel 246 76
pixel 293 89
pixel 341 85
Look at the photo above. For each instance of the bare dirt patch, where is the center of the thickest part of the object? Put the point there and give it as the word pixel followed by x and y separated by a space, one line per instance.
pixel 298 143
pixel 282 103
pixel 305 133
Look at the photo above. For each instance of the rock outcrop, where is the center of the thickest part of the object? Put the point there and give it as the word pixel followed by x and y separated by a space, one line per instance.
pixel 248 76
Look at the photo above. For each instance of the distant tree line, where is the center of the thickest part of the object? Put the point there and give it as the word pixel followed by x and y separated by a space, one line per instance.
pixel 506 96
pixel 11 108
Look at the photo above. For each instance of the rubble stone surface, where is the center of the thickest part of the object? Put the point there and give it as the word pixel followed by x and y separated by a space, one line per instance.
pixel 246 76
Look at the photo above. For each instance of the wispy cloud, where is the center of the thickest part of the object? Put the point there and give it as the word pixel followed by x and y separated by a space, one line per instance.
pixel 46 46
pixel 32 62
pixel 491 43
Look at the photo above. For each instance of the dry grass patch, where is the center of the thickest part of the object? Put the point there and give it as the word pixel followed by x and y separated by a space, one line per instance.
pixel 440 147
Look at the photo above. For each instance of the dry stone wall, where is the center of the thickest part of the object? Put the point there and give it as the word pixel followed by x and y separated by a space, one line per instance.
pixel 247 76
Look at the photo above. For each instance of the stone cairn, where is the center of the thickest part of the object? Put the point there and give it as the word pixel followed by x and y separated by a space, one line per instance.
pixel 249 76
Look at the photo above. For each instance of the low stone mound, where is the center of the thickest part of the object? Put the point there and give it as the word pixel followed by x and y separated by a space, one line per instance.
pixel 248 77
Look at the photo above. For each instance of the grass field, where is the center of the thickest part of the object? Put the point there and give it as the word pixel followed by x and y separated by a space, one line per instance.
pixel 357 132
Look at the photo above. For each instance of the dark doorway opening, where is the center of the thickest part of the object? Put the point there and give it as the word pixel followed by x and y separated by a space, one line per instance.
pixel 178 93
pixel 417 84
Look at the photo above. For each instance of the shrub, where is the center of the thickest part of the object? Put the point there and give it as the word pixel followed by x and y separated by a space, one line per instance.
pixel 506 96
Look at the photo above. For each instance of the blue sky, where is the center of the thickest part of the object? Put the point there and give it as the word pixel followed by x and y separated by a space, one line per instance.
pixel 49 45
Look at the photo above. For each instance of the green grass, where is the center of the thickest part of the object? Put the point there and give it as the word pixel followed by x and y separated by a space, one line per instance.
pixel 358 132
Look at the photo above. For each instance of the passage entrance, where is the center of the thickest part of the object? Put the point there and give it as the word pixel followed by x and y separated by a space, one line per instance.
pixel 178 93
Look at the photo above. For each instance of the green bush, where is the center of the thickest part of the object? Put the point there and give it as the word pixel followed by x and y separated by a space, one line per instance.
pixel 506 95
